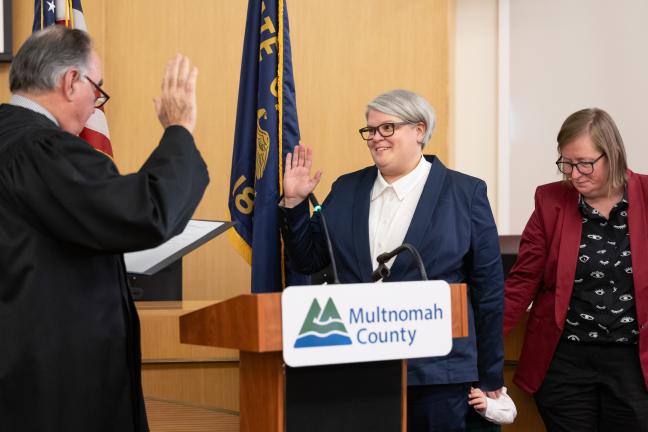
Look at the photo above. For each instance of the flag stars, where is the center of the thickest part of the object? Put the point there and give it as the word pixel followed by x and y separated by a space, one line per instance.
pixel 51 6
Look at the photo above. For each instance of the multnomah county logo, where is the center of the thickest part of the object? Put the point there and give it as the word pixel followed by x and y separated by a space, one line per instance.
pixel 322 327
pixel 365 322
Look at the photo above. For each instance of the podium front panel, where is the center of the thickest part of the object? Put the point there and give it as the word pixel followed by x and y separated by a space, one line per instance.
pixel 353 397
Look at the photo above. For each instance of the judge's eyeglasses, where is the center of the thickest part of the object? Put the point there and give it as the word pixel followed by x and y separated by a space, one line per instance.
pixel 101 96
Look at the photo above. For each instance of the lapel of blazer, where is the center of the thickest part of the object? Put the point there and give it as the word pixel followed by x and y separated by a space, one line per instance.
pixel 422 218
pixel 638 235
pixel 572 225
pixel 360 220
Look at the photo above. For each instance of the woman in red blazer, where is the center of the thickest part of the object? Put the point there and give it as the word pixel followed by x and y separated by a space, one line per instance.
pixel 583 268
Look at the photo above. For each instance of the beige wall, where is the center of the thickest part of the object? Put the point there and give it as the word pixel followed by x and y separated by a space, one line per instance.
pixel 344 53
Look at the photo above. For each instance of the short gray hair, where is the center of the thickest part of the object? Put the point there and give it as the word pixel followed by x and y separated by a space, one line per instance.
pixel 408 106
pixel 46 56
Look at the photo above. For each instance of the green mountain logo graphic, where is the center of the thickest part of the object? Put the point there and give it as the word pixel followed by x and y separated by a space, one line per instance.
pixel 322 327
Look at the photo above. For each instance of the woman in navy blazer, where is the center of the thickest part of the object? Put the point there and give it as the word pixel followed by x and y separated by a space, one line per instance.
pixel 583 266
pixel 450 223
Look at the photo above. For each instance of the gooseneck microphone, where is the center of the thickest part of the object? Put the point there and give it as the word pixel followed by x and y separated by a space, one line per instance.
pixel 383 271
pixel 317 208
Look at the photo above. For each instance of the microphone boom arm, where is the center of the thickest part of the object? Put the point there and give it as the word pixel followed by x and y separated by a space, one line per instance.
pixel 383 271
pixel 317 208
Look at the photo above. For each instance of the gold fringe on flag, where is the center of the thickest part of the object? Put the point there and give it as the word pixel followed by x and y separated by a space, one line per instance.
pixel 70 11
pixel 280 58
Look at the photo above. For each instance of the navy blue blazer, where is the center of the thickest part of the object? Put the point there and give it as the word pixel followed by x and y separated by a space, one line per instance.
pixel 454 231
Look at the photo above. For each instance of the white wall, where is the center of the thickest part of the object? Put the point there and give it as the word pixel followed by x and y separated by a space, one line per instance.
pixel 563 55
pixel 568 55
pixel 474 149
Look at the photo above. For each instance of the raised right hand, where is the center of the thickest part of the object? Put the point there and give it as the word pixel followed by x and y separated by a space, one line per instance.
pixel 176 104
pixel 297 182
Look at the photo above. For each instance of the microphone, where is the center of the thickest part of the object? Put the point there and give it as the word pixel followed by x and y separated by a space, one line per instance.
pixel 383 271
pixel 317 208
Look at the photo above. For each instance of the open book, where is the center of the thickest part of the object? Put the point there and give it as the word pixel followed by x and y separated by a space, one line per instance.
pixel 197 232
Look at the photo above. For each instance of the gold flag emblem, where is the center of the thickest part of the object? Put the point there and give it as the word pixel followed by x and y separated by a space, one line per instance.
pixel 262 145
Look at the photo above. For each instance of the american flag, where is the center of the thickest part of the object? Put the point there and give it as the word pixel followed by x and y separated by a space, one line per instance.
pixel 70 14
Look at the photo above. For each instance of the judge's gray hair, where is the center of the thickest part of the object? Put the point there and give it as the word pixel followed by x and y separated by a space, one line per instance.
pixel 46 56
pixel 407 106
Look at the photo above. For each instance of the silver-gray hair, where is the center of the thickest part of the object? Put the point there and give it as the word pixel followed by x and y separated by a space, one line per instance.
pixel 46 56
pixel 408 106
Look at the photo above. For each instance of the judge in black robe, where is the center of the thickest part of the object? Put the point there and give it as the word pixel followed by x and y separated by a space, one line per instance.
pixel 69 331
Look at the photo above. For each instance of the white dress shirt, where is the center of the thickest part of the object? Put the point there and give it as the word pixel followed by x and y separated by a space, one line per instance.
pixel 392 208
pixel 24 102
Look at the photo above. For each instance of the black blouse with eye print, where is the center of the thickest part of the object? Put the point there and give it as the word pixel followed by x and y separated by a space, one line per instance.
pixel 602 307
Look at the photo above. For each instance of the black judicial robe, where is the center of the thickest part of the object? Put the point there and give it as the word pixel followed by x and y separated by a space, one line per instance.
pixel 69 331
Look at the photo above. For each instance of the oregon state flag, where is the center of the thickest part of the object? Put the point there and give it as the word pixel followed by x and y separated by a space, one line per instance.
pixel 266 130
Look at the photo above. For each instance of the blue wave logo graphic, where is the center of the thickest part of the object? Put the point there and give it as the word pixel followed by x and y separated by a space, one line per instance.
pixel 322 327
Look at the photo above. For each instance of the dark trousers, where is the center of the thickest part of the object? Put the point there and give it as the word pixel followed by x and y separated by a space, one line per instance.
pixel 437 408
pixel 594 387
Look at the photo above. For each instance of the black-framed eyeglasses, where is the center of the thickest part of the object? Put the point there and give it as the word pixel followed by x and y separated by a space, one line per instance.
pixel 101 96
pixel 385 130
pixel 585 167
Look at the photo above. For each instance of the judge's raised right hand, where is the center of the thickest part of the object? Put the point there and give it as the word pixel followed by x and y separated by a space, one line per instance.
pixel 176 104
pixel 297 182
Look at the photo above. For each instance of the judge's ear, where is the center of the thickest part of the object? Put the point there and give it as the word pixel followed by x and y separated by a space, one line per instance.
pixel 69 81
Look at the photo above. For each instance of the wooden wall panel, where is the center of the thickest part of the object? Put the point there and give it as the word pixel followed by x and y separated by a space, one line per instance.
pixel 344 54
pixel 160 334
pixel 174 371
pixel 213 384
pixel 210 33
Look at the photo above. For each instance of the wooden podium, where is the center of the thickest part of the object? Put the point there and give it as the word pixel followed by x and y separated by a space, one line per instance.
pixel 276 398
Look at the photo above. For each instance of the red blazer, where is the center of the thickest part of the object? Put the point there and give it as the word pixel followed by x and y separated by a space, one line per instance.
pixel 545 268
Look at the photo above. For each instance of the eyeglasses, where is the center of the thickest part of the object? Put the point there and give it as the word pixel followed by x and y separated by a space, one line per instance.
pixel 385 130
pixel 101 96
pixel 582 167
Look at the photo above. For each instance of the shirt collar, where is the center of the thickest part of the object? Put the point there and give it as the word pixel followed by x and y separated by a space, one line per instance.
pixel 25 102
pixel 403 185
pixel 588 210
